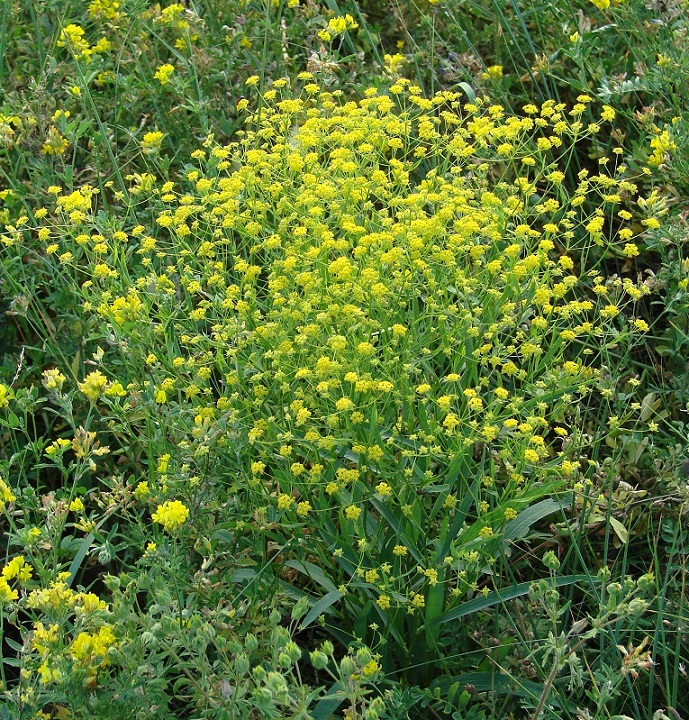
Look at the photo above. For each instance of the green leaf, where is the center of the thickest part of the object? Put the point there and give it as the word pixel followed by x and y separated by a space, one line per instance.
pixel 313 572
pixel 14 645
pixel 320 607
pixel 648 405
pixel 499 596
pixel 469 91
pixel 330 702
pixel 224 537
pixel 519 527
pixel 620 530
pixel 76 364
pixel 434 607
pixel 242 574
pixel 458 522
pixel 502 684
pixel 79 557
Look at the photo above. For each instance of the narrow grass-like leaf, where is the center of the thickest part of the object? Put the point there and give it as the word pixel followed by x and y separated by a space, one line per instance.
pixel 498 596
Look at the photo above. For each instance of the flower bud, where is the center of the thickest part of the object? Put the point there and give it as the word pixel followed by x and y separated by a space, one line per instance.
pixel 241 664
pixel 319 659
pixel 347 666
pixel 301 608
pixel 292 649
pixel 276 683
pixel 551 561
pixel 646 582
pixel 637 607
pixel 604 573
pixel 251 642
pixel 363 656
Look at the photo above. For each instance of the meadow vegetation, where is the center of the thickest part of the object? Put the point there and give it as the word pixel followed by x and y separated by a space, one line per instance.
pixel 344 359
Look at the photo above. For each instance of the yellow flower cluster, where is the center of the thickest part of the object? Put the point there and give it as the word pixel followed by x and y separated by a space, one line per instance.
pixel 172 514
pixel 163 74
pixel 91 649
pixel 16 570
pixel 6 395
pixel 107 9
pixel 72 37
pixel 605 4
pixel 6 494
pixel 151 140
pixel 365 292
pixel 661 144
pixel 338 26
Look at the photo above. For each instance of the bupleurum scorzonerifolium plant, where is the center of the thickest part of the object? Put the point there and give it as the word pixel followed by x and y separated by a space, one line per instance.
pixel 355 344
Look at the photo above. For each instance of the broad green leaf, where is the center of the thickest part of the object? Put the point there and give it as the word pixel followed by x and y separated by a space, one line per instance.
pixel 468 90
pixel 519 527
pixel 320 607
pixel 313 572
pixel 620 530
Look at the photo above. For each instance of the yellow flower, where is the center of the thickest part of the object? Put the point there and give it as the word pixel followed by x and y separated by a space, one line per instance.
pixel 172 514
pixel 92 649
pixel 352 512
pixel 7 594
pixel 141 490
pixel 151 141
pixel 531 455
pixel 53 379
pixel 163 73
pixel 6 395
pixel 383 602
pixel 107 9
pixel 383 489
pixel 94 385
pixel 73 37
pixel 6 494
pixel 285 501
pixel 339 25
pixel 77 505
pixel 55 143
pixel 608 113
pixel 494 72
pixel 609 311
pixel 371 667
pixel 418 600
pixel 303 508
pixel 17 568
